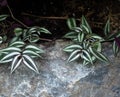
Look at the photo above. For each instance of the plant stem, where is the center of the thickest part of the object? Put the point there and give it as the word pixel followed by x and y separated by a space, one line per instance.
pixel 16 18
pixel 44 39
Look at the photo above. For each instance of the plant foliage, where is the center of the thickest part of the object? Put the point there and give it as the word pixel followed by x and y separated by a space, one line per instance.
pixel 86 45
pixel 17 53
pixel 20 49
pixel 114 37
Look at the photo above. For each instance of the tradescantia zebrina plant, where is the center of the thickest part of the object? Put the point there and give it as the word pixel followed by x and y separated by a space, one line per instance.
pixel 20 49
pixel 86 45
pixel 113 37
pixel 18 52
pixel 31 34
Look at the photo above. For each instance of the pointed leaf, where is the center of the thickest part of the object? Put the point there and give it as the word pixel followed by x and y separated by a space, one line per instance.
pixel 10 49
pixel 31 53
pixel 70 35
pixel 113 35
pixel 43 30
pixel 17 44
pixel 98 55
pixel 70 48
pixel 3 17
pixel 74 55
pixel 71 22
pixel 81 37
pixel 87 56
pixel 10 56
pixel 30 63
pixel 15 63
pixel 85 23
pixel 18 31
pixel 77 29
pixel 115 48
pixel 107 28
pixel 1 39
pixel 34 49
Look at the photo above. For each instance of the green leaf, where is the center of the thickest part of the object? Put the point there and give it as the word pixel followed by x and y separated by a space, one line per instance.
pixel 33 38
pixel 113 35
pixel 18 31
pixel 1 39
pixel 98 55
pixel 85 62
pixel 85 29
pixel 85 23
pixel 17 44
pixel 70 35
pixel 77 29
pixel 10 49
pixel 107 28
pixel 86 55
pixel 81 37
pixel 97 46
pixel 9 57
pixel 115 48
pixel 3 17
pixel 15 63
pixel 43 30
pixel 14 40
pixel 71 22
pixel 74 55
pixel 96 37
pixel 34 49
pixel 71 48
pixel 4 38
pixel 30 63
pixel 31 53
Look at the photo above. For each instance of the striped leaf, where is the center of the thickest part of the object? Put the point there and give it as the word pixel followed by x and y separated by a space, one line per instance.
pixel 87 56
pixel 96 37
pixel 30 63
pixel 85 62
pixel 9 57
pixel 43 30
pixel 17 44
pixel 71 48
pixel 18 31
pixel 81 37
pixel 98 55
pixel 70 35
pixel 33 38
pixel 10 49
pixel 74 55
pixel 71 22
pixel 77 29
pixel 85 29
pixel 1 39
pixel 107 28
pixel 31 53
pixel 85 23
pixel 34 49
pixel 15 63
pixel 113 35
pixel 3 17
pixel 115 48
pixel 6 61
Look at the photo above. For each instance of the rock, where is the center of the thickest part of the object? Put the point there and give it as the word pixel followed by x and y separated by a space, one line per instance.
pixel 58 78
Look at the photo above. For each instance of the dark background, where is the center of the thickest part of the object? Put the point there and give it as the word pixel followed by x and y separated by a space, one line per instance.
pixel 95 11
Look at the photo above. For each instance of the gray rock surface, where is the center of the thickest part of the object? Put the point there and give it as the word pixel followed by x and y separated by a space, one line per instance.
pixel 60 79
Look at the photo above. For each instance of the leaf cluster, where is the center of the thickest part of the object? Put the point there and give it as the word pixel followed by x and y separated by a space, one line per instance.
pixel 86 46
pixel 20 49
